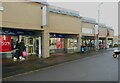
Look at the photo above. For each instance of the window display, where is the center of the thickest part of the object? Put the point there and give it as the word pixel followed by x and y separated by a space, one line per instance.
pixel 10 39
pixel 56 44
pixel 72 45
pixel 59 43
pixel 5 43
pixel 63 43
pixel 30 40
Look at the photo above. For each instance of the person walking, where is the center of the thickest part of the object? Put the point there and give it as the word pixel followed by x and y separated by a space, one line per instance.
pixel 22 48
pixel 17 49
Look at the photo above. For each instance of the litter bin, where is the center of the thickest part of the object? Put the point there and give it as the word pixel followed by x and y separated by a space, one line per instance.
pixel 82 49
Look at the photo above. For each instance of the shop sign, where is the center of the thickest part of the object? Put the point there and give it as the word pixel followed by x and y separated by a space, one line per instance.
pixel 5 43
pixel 62 36
pixel 87 30
pixel 6 31
pixel 58 36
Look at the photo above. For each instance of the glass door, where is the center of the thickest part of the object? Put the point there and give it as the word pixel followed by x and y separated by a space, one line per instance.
pixel 28 44
pixel 36 46
pixel 25 42
pixel 33 45
pixel 30 41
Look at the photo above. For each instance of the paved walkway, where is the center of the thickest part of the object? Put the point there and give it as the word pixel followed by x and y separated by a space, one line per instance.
pixel 13 68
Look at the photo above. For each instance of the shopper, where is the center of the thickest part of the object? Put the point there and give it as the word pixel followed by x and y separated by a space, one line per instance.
pixel 17 49
pixel 22 48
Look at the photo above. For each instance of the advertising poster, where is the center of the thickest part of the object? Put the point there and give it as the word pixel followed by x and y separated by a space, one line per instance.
pixel 5 43
pixel 59 43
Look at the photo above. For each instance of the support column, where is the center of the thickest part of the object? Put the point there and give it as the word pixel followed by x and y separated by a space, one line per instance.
pixel 65 45
pixel 0 46
pixel 45 44
pixel 112 42
pixel 106 40
pixel 39 48
pixel 79 43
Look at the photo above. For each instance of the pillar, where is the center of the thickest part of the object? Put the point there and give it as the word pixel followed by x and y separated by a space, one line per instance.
pixel 106 40
pixel 45 44
pixel 40 52
pixel 79 43
pixel 65 45
pixel 112 42
pixel 0 46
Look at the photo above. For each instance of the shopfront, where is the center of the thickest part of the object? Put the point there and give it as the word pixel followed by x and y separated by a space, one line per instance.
pixel 110 36
pixel 88 42
pixel 110 42
pixel 63 43
pixel 32 40
pixel 102 43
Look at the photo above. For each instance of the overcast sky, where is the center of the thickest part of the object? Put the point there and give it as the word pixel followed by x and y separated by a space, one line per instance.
pixel 108 10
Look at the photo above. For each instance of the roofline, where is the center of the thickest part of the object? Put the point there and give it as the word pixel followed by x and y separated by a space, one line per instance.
pixel 88 20
pixel 63 11
pixel 43 2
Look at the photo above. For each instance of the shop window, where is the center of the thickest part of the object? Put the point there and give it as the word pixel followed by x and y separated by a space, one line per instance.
pixel 8 43
pixel 30 40
pixel 59 43
pixel 5 43
pixel 30 48
pixel 72 45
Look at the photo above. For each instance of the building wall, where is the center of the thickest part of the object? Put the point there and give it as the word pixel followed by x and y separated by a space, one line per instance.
pixel 22 15
pixel 65 24
pixel 59 23
pixel 111 33
pixel 119 40
pixel 89 27
pixel 115 40
pixel 26 15
pixel 102 32
pixel 0 18
pixel 15 0
pixel 0 15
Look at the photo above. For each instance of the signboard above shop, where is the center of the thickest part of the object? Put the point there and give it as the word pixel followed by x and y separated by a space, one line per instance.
pixel 5 31
pixel 55 35
pixel 16 32
pixel 87 30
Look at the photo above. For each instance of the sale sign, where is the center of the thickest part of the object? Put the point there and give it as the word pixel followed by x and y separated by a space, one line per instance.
pixel 5 43
pixel 59 42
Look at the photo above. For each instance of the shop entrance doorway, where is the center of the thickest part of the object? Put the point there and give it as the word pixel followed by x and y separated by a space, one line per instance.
pixel 33 45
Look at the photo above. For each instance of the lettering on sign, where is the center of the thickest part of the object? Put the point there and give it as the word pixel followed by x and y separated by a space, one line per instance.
pixel 5 43
pixel 87 30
